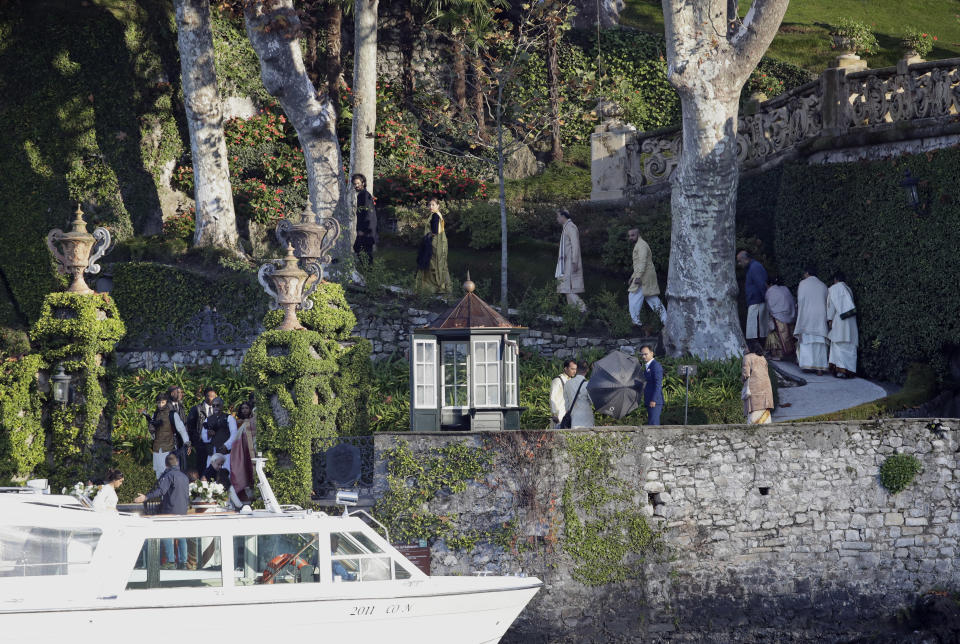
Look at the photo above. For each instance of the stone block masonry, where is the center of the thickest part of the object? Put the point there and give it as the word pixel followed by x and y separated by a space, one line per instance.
pixel 770 534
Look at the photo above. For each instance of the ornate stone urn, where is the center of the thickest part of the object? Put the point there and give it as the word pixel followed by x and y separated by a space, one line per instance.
pixel 72 251
pixel 311 239
pixel 287 287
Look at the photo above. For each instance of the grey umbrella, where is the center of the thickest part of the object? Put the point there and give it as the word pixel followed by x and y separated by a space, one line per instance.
pixel 616 384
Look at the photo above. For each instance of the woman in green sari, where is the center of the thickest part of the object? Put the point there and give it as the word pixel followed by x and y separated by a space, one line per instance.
pixel 433 276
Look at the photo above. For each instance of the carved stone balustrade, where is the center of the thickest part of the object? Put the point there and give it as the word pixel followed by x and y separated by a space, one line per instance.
pixel 841 116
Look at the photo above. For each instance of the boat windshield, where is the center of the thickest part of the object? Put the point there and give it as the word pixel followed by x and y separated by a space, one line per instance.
pixel 30 551
pixel 355 557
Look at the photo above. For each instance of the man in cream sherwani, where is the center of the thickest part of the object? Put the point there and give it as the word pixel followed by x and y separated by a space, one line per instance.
pixel 643 285
pixel 811 328
pixel 842 318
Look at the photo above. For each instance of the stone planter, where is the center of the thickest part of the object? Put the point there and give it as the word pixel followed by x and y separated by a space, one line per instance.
pixel 848 58
pixel 911 56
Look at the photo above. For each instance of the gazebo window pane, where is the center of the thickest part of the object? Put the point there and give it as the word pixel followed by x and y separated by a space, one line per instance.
pixel 424 373
pixel 510 374
pixel 486 379
pixel 455 374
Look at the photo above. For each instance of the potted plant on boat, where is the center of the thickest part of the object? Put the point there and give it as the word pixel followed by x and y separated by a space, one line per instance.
pixel 206 495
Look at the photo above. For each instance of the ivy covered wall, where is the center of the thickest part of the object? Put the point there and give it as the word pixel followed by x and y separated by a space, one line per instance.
pixel 311 385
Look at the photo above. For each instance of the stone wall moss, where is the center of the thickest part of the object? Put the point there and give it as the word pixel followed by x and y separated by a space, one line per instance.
pixel 89 114
pixel 21 405
pixel 311 386
pixel 605 531
pixel 74 331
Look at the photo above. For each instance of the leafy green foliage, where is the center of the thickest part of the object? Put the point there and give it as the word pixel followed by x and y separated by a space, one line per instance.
pixel 898 471
pixel 96 126
pixel 412 482
pixel 612 313
pixel 138 476
pixel 919 41
pixel 22 439
pixel 604 531
pixel 855 217
pixel 858 33
pixel 154 297
pixel 72 330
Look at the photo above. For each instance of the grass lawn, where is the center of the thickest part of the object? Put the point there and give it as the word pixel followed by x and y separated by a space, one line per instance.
pixel 804 35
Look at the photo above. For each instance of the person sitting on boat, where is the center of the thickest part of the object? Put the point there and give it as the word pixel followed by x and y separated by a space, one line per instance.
pixel 106 499
pixel 216 472
pixel 339 570
pixel 173 488
pixel 219 432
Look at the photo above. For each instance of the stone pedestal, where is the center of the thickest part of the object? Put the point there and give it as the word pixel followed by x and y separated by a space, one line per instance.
pixel 610 160
pixel 850 62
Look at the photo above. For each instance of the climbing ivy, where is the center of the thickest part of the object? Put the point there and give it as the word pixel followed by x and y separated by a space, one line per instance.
pixel 21 433
pixel 413 481
pixel 74 331
pixel 605 532
pixel 311 386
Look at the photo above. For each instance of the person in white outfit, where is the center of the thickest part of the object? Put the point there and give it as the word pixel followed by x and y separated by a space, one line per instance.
pixel 106 499
pixel 842 319
pixel 577 398
pixel 643 286
pixel 811 328
pixel 558 406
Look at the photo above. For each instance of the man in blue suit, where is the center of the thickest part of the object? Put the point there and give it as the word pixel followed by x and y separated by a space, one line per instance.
pixel 653 387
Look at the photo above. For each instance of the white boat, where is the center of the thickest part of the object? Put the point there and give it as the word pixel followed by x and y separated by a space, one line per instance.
pixel 69 574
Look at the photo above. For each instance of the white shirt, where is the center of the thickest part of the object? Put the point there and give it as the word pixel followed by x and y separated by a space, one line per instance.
pixel 106 499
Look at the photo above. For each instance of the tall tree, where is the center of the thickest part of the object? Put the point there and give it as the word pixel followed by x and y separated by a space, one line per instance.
pixel 274 29
pixel 216 220
pixel 556 17
pixel 363 133
pixel 709 58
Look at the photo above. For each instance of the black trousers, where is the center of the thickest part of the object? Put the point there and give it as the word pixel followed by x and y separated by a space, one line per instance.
pixel 364 246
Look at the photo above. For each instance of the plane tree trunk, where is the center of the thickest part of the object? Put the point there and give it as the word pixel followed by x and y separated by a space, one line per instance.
pixel 708 67
pixel 364 130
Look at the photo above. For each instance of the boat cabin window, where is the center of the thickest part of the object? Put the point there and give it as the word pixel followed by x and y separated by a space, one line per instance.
pixel 177 563
pixel 30 551
pixel 276 559
pixel 355 557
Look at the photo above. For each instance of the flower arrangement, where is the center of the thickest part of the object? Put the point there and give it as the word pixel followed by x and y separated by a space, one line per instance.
pixel 918 41
pixel 207 492
pixel 82 490
pixel 763 83
pixel 855 36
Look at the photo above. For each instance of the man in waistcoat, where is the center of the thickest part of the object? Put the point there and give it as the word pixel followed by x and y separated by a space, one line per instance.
pixel 219 432
pixel 169 434
pixel 198 414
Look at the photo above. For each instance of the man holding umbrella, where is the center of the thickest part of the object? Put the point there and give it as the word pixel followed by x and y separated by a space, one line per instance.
pixel 653 387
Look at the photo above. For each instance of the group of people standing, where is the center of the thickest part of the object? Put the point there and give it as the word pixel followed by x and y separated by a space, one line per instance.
pixel 570 402
pixel 818 329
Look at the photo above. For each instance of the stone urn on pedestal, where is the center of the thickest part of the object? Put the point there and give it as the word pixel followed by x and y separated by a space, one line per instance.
pixel 311 239
pixel 286 286
pixel 848 58
pixel 72 251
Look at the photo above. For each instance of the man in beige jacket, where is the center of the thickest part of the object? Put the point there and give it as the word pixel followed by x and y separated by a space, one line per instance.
pixel 643 283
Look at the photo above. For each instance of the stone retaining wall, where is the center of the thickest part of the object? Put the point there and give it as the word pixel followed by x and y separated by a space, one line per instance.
pixel 772 534
pixel 389 333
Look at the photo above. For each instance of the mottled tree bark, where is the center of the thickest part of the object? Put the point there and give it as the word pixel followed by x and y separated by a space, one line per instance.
pixel 408 26
pixel 273 30
pixel 459 77
pixel 363 133
pixel 708 68
pixel 332 21
pixel 479 87
pixel 216 220
pixel 553 86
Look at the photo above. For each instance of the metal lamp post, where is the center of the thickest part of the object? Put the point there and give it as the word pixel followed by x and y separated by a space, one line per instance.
pixel 911 185
pixel 687 371
pixel 285 286
pixel 74 250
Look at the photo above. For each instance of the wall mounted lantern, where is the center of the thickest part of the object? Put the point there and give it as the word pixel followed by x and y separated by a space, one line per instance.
pixel 60 385
pixel 911 185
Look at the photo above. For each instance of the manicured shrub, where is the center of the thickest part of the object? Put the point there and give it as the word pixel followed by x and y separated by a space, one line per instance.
pixel 898 471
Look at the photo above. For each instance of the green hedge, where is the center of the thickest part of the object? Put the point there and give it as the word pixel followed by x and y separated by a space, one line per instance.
pixel 22 439
pixel 87 116
pixel 152 297
pixel 902 267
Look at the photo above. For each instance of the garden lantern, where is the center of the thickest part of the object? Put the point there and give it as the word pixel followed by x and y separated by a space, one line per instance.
pixel 910 184
pixel 60 385
pixel 463 369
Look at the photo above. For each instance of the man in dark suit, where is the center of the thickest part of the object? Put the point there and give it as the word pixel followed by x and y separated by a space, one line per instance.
pixel 198 414
pixel 653 387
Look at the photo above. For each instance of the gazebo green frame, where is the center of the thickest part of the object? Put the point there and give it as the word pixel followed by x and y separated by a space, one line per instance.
pixel 464 370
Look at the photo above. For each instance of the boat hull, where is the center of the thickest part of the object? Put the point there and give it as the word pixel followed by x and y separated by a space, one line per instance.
pixel 467 617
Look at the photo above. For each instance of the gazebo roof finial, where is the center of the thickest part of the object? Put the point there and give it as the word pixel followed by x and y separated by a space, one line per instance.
pixel 469 286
